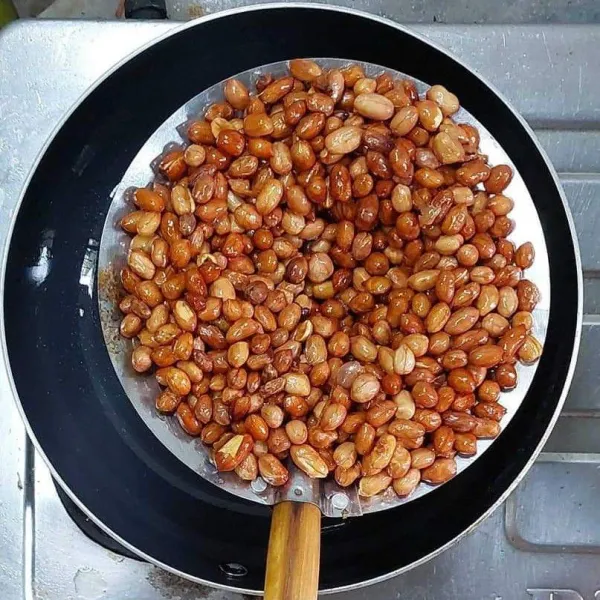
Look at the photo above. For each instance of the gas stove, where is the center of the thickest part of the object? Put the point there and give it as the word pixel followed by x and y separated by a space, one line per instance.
pixel 544 543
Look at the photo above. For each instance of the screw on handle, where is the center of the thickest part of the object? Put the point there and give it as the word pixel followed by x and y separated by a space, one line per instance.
pixel 294 552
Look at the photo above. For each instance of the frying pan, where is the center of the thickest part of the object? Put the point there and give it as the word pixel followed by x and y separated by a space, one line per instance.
pixel 74 406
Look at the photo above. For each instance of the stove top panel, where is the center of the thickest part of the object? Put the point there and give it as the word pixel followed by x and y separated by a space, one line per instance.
pixel 544 543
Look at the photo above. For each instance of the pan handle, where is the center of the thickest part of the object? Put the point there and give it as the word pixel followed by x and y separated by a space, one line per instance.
pixel 294 552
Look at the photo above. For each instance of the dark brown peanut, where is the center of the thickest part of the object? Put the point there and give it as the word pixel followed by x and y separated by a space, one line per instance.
pixel 440 471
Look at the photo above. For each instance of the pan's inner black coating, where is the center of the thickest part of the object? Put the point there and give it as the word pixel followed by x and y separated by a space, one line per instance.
pixel 69 391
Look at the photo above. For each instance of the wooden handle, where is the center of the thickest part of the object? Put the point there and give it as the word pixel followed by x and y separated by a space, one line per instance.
pixel 294 552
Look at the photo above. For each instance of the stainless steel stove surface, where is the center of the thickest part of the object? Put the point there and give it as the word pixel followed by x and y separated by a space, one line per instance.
pixel 544 543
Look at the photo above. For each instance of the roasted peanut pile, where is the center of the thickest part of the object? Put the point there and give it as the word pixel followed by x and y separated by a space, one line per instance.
pixel 324 274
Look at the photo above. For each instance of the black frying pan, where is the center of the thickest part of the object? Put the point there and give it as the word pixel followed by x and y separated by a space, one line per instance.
pixel 75 407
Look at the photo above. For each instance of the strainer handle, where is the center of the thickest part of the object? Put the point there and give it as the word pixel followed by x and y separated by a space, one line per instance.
pixel 294 552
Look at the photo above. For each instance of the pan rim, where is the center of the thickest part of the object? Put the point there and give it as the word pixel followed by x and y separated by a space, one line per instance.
pixel 407 31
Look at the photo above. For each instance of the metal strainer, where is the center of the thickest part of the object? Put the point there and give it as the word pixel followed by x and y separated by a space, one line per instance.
pixel 294 532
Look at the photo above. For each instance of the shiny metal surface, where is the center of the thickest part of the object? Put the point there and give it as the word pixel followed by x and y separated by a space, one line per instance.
pixel 142 391
pixel 59 562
